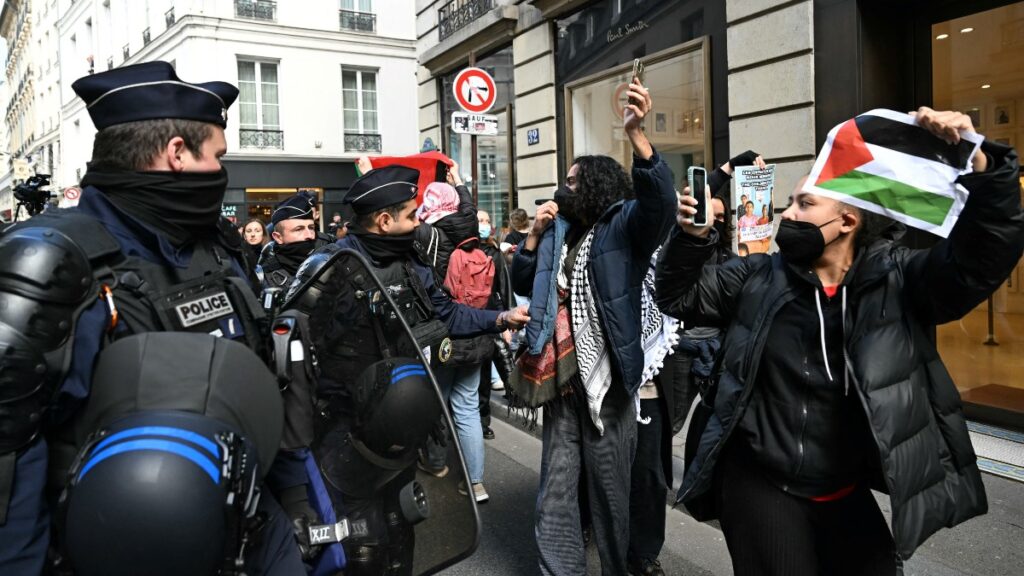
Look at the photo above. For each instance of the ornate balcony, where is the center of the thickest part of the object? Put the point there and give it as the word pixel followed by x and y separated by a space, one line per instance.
pixel 357 21
pixel 256 9
pixel 249 138
pixel 459 13
pixel 355 142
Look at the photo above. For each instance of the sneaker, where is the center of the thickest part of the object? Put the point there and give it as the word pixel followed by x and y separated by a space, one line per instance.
pixel 646 568
pixel 497 385
pixel 435 472
pixel 479 493
pixel 488 433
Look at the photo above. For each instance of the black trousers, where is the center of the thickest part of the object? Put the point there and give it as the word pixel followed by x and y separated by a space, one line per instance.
pixel 772 533
pixel 485 394
pixel 648 491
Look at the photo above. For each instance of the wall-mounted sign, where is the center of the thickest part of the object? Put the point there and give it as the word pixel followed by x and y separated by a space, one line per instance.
pixel 627 30
pixel 533 136
pixel 475 124
pixel 475 90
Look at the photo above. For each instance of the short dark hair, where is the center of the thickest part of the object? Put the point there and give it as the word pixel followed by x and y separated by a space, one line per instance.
pixel 132 146
pixel 366 220
pixel 519 218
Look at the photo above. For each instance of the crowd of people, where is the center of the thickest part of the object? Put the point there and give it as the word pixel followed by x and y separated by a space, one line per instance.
pixel 807 376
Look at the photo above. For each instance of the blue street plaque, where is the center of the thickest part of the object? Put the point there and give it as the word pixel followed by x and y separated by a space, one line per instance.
pixel 533 136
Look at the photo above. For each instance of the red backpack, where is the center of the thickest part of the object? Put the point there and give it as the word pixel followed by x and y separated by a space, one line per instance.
pixel 470 276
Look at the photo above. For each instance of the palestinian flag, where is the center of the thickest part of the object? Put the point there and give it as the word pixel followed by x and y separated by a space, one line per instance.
pixel 882 162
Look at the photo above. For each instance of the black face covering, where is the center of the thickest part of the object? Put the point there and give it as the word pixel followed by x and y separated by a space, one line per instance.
pixel 293 254
pixel 568 204
pixel 801 242
pixel 181 206
pixel 384 248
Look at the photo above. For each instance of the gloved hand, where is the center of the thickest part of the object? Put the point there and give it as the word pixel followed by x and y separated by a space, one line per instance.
pixel 743 159
pixel 295 501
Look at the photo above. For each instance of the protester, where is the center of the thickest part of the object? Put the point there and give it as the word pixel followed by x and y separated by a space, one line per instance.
pixel 501 298
pixel 829 384
pixel 520 223
pixel 254 235
pixel 589 413
pixel 146 240
pixel 665 399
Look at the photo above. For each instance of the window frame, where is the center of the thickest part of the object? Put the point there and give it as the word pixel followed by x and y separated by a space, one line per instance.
pixel 360 110
pixel 258 64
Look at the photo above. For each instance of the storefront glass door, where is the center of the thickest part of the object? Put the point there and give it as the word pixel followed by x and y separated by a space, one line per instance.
pixel 977 68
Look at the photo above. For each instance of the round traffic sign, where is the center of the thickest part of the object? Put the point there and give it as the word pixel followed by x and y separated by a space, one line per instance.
pixel 475 90
pixel 72 193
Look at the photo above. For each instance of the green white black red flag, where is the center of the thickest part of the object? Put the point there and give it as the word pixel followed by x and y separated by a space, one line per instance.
pixel 883 162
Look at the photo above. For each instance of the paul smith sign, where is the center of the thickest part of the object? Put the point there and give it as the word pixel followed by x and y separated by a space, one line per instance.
pixel 627 30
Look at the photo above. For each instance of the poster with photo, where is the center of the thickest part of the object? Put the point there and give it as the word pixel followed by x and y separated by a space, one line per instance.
pixel 752 190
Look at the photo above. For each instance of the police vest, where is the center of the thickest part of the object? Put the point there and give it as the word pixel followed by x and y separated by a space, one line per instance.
pixel 365 330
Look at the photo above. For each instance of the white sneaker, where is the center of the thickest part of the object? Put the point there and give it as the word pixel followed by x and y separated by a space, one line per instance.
pixel 479 493
pixel 497 385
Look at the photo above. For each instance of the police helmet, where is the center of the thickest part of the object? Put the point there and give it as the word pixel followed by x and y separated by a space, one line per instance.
pixel 183 428
pixel 398 406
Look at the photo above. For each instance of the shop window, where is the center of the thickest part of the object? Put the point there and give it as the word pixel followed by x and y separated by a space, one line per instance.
pixel 977 69
pixel 258 105
pixel 359 103
pixel 677 125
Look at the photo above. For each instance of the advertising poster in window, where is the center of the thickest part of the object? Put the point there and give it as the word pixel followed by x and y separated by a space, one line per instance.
pixel 753 193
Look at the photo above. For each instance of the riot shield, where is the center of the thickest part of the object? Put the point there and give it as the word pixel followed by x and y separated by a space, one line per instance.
pixel 380 422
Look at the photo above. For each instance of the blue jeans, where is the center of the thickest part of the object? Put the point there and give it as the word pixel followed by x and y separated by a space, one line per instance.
pixel 460 387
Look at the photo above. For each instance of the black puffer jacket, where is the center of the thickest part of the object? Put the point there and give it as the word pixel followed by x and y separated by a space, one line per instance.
pixel 896 297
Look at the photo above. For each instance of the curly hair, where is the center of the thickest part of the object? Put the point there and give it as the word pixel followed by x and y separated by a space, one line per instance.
pixel 600 182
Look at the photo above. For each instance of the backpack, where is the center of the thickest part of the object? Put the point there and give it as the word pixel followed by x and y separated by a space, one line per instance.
pixel 470 276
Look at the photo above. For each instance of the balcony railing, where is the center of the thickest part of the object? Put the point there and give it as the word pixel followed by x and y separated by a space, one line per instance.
pixel 146 37
pixel 459 13
pixel 256 9
pixel 362 142
pixel 169 18
pixel 249 138
pixel 357 21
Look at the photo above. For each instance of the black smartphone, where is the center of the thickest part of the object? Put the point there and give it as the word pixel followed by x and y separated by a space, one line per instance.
pixel 638 75
pixel 696 177
pixel 542 201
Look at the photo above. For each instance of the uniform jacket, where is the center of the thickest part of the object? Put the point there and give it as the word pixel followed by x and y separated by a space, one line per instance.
pixel 625 238
pixel 895 299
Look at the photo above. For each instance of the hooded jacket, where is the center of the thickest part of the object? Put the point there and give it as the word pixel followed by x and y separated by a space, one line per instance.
pixel 894 300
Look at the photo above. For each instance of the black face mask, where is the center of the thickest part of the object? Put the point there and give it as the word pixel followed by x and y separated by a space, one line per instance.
pixel 568 204
pixel 293 254
pixel 383 248
pixel 181 206
pixel 801 242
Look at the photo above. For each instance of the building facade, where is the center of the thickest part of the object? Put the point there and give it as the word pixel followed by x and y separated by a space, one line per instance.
pixel 31 102
pixel 310 76
pixel 769 75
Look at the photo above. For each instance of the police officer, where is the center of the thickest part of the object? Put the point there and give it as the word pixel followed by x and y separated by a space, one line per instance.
pixel 295 237
pixel 350 350
pixel 145 250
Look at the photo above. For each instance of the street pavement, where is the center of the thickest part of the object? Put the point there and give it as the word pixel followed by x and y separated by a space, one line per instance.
pixel 992 545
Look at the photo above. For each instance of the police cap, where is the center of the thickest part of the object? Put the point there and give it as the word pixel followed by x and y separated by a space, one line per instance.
pixel 297 206
pixel 382 187
pixel 149 91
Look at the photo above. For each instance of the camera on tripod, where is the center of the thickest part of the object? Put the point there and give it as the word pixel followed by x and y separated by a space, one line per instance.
pixel 31 196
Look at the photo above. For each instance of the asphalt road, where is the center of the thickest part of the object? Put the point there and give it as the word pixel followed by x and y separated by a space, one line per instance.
pixel 992 545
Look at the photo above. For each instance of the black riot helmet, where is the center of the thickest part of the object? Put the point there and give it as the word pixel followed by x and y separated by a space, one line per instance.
pixel 175 439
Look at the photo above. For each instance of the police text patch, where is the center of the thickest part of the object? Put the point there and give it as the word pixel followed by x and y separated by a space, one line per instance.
pixel 203 309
